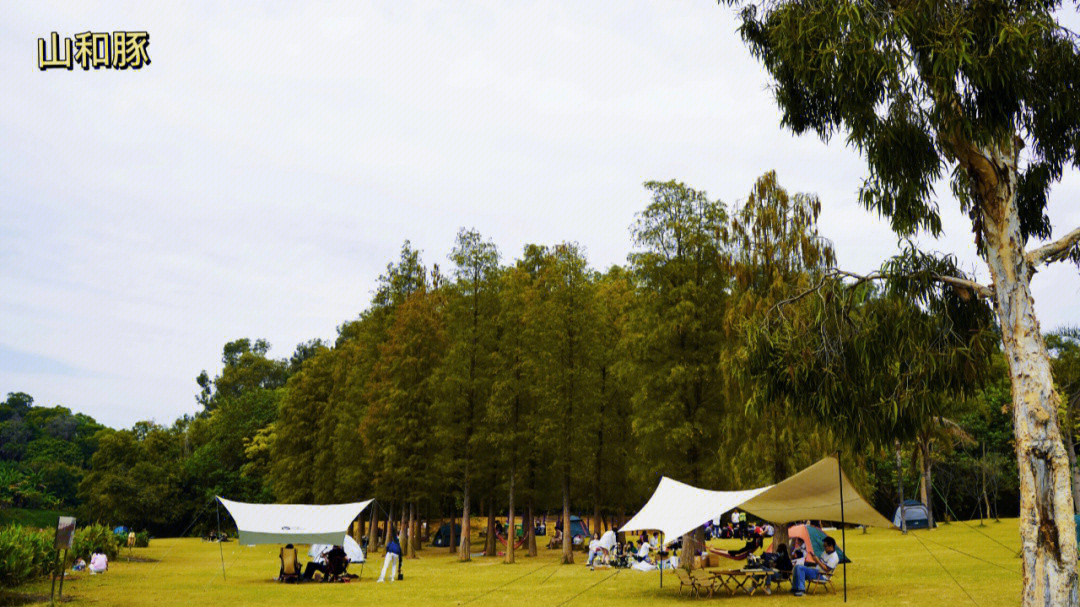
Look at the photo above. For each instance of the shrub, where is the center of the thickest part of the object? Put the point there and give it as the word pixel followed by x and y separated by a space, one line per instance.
pixel 142 539
pixel 25 554
pixel 88 538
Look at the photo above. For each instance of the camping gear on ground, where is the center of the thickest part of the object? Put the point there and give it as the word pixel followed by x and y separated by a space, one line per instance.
pixel 915 513
pixel 442 536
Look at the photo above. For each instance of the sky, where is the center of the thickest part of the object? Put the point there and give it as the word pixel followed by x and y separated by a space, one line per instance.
pixel 255 179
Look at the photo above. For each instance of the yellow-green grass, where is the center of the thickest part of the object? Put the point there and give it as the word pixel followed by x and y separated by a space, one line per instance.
pixel 888 569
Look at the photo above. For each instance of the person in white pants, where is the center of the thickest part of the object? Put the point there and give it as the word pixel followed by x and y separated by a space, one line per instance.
pixel 392 560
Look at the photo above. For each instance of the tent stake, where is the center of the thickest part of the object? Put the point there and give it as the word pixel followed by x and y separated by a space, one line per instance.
pixel 843 534
pixel 221 551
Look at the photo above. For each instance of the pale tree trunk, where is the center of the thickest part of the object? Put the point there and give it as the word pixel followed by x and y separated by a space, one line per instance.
pixel 389 524
pixel 780 534
pixel 568 540
pixel 373 529
pixel 510 535
pixel 1047 528
pixel 530 531
pixel 465 549
pixel 413 540
pixel 1070 448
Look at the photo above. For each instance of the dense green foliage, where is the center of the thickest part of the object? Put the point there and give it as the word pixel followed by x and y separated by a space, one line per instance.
pixel 699 360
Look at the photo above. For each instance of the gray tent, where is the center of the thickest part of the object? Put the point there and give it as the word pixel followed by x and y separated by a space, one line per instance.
pixel 915 513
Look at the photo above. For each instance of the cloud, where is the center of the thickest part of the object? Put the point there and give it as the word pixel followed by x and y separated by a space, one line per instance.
pixel 255 179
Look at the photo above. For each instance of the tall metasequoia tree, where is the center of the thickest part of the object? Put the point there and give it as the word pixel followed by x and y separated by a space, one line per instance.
pixel 568 346
pixel 683 285
pixel 472 310
pixel 929 86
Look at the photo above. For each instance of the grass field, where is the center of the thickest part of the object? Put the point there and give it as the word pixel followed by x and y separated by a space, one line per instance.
pixel 888 569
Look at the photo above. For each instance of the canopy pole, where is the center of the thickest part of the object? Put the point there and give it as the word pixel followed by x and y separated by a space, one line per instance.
pixel 843 534
pixel 221 551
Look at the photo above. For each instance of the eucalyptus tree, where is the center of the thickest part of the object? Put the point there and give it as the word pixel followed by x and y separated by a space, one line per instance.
pixel 1064 346
pixel 986 92
pixel 472 311
pixel 682 338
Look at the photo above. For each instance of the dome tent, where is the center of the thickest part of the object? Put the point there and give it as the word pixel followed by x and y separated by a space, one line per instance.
pixel 915 514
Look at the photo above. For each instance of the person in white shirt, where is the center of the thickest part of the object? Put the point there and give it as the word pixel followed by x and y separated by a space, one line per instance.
pixel 826 563
pixel 602 546
pixel 99 563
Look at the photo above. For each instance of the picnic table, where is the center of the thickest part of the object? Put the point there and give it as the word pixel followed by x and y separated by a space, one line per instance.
pixel 747 580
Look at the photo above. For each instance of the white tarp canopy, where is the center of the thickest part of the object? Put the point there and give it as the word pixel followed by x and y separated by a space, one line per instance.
pixel 813 494
pixel 676 508
pixel 292 523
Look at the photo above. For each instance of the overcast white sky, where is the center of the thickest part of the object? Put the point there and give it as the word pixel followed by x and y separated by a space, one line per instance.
pixel 258 176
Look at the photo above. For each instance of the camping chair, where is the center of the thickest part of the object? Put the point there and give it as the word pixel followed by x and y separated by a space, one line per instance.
pixel 335 569
pixel 290 566
pixel 822 582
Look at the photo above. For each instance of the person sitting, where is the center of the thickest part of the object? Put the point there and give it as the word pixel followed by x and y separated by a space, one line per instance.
pixel 783 566
pixel 79 564
pixel 753 544
pixel 99 563
pixel 826 563
pixel 318 554
pixel 556 539
pixel 337 562
pixel 798 551
pixel 392 560
pixel 601 547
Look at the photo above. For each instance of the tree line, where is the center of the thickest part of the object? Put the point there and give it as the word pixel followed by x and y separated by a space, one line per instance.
pixel 542 386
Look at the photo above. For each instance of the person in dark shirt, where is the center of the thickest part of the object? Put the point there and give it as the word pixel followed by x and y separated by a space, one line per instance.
pixel 783 566
pixel 392 560
pixel 753 544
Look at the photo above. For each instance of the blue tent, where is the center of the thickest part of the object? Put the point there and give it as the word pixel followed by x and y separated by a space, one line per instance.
pixel 120 530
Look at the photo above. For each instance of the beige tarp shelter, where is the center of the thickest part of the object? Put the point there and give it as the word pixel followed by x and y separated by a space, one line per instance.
pixel 820 492
pixel 813 494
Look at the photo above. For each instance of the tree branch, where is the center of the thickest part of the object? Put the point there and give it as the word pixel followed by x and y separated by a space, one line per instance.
pixel 1055 251
pixel 971 287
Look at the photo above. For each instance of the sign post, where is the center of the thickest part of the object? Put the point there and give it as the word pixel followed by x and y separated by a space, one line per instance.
pixel 65 535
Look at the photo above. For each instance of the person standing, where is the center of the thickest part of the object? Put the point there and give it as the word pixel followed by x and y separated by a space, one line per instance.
pixel 392 560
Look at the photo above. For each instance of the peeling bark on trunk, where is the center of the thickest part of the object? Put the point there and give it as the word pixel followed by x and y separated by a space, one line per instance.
pixel 1047 528
pixel 1070 449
